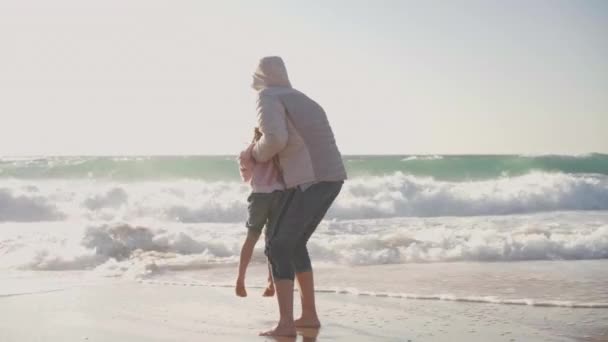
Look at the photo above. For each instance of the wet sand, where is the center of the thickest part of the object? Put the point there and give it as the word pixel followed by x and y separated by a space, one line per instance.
pixel 182 311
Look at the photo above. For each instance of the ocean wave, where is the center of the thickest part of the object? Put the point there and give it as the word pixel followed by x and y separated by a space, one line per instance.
pixel 26 206
pixel 224 168
pixel 565 156
pixel 119 241
pixel 396 195
pixel 432 157
pixel 113 198
pixel 117 248
pixel 401 195
pixel 353 243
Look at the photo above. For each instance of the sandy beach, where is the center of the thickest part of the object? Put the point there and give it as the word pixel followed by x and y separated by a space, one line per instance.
pixel 165 310
pixel 442 166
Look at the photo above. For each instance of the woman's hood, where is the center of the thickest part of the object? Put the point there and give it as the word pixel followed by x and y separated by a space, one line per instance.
pixel 271 72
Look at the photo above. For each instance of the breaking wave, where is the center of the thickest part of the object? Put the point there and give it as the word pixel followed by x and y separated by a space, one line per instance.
pixel 118 248
pixel 396 195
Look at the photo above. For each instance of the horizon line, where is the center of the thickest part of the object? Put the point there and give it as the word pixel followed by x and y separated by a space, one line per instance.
pixel 343 154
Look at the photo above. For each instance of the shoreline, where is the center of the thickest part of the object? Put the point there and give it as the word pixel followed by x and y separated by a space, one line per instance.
pixel 165 311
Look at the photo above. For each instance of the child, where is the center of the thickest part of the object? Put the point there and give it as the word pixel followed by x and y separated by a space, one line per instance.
pixel 267 189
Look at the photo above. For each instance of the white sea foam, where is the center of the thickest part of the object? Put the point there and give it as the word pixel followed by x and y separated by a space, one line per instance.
pixel 146 230
pixel 401 195
pixel 396 195
pixel 471 299
pixel 156 226
pixel 413 296
pixel 156 247
pixel 113 247
pixel 433 157
pixel 25 205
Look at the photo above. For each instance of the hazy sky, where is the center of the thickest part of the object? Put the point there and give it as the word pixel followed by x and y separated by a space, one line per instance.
pixel 172 77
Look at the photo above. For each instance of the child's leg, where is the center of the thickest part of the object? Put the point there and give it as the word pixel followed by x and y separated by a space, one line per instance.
pixel 245 258
pixel 259 205
pixel 269 275
pixel 269 291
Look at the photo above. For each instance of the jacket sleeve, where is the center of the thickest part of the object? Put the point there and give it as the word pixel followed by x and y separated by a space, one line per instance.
pixel 272 122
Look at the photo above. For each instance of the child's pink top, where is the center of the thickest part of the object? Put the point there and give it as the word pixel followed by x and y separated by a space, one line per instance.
pixel 263 177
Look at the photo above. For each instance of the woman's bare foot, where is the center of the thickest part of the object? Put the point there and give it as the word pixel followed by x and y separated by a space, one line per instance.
pixel 305 322
pixel 269 291
pixel 240 288
pixel 281 329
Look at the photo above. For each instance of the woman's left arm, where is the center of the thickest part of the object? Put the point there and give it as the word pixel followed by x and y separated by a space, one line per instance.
pixel 273 125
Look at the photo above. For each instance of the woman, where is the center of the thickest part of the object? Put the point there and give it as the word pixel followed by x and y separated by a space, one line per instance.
pixel 295 128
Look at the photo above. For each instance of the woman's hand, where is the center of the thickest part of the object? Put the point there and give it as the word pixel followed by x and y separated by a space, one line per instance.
pixel 257 134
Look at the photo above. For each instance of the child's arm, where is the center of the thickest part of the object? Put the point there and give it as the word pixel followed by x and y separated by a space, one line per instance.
pixel 246 164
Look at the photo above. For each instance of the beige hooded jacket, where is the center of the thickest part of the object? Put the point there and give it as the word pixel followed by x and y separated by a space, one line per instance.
pixel 295 128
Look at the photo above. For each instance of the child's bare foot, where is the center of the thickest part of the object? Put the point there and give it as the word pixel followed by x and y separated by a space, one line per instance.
pixel 240 289
pixel 269 291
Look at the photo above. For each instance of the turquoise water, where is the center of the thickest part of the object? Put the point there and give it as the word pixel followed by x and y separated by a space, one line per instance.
pixel 146 216
pixel 440 167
